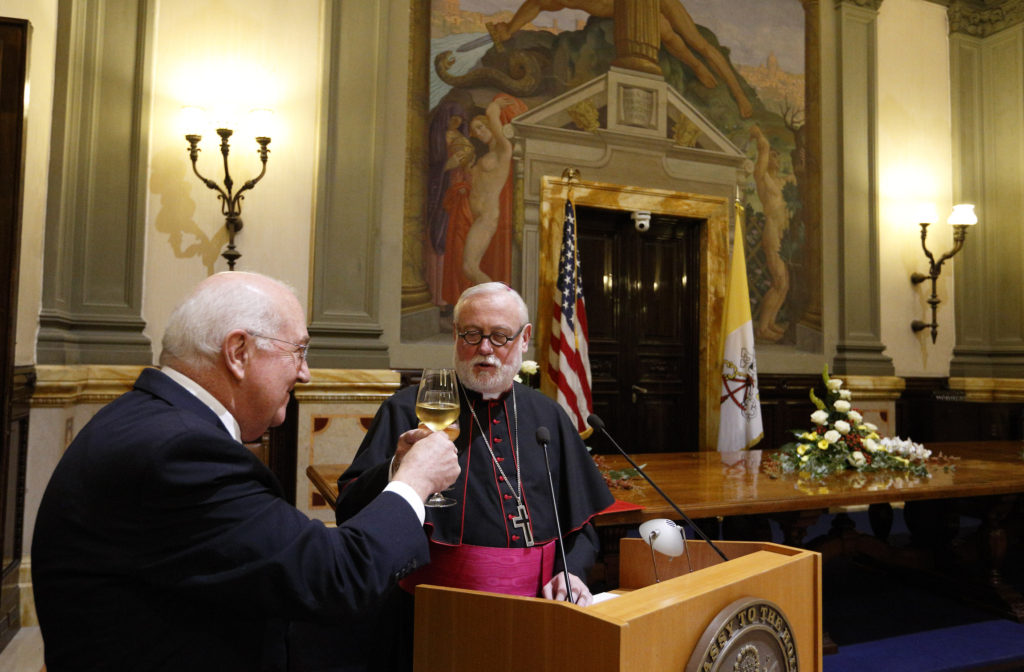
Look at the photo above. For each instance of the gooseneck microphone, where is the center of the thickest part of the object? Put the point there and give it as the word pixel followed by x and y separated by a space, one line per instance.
pixel 598 424
pixel 544 438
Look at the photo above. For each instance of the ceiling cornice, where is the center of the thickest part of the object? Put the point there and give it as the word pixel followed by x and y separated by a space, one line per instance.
pixel 981 18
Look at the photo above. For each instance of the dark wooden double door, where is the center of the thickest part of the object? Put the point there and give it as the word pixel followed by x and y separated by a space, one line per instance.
pixel 642 295
pixel 15 383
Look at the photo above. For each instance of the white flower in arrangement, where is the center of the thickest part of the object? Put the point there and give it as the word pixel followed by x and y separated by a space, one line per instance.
pixel 834 384
pixel 842 427
pixel 872 445
pixel 905 448
pixel 842 406
pixel 855 417
pixel 819 417
pixel 832 436
pixel 845 394
pixel 871 427
pixel 857 459
pixel 529 369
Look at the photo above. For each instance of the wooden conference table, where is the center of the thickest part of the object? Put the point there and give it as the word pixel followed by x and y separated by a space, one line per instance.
pixel 711 484
pixel 721 485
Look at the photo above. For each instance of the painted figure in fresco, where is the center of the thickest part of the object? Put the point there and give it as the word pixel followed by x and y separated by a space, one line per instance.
pixel 776 221
pixel 451 155
pixel 480 212
pixel 679 36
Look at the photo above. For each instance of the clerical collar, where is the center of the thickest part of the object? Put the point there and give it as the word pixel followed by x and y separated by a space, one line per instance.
pixel 480 395
pixel 202 395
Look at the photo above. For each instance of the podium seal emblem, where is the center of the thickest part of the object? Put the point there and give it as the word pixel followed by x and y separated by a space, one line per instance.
pixel 749 635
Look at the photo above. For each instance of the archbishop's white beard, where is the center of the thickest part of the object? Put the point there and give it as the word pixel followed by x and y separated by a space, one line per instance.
pixel 490 382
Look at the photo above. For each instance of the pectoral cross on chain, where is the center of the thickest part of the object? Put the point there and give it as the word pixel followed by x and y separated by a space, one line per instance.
pixel 523 521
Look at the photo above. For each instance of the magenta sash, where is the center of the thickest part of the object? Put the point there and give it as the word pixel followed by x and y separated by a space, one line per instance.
pixel 512 571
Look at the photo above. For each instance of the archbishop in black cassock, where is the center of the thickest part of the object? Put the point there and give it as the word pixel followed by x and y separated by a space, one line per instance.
pixel 503 477
pixel 485 504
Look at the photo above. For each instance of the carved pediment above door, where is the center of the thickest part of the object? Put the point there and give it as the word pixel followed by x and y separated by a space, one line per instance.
pixel 625 127
pixel 629 108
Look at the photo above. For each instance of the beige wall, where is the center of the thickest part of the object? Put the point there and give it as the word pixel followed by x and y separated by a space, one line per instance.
pixel 915 150
pixel 234 55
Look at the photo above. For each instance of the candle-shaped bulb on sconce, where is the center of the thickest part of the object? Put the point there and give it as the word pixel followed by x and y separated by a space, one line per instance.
pixel 261 122
pixel 926 213
pixel 193 121
pixel 963 215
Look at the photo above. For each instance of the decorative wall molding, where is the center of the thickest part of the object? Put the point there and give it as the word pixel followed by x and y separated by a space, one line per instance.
pixel 873 5
pixel 61 386
pixel 96 203
pixel 987 104
pixel 344 309
pixel 875 388
pixel 981 18
pixel 989 389
pixel 348 385
pixel 859 348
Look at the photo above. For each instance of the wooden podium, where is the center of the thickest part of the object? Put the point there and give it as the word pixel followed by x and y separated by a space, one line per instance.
pixel 652 626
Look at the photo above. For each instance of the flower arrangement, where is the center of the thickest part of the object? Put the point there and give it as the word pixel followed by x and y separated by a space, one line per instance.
pixel 841 440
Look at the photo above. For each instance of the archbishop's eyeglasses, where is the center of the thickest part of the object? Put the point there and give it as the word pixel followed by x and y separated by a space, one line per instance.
pixel 497 339
pixel 300 349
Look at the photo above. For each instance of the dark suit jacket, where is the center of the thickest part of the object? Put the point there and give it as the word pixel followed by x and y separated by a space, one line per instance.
pixel 164 544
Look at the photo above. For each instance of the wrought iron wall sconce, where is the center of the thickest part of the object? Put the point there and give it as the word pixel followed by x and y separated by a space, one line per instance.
pixel 962 217
pixel 231 201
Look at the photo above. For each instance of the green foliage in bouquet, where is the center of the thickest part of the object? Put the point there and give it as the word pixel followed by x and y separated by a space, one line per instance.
pixel 840 439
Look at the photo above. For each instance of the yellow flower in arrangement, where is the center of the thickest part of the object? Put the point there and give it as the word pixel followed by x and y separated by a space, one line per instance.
pixel 843 440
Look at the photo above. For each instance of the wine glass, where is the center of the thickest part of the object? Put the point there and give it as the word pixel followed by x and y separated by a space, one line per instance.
pixel 437 407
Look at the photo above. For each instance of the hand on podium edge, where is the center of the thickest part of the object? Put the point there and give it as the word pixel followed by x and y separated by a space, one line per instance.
pixel 555 590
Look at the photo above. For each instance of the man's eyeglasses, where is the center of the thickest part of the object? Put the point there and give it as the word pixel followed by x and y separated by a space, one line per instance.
pixel 300 349
pixel 497 339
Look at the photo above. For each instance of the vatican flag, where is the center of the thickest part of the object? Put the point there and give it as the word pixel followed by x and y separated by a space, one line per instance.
pixel 739 425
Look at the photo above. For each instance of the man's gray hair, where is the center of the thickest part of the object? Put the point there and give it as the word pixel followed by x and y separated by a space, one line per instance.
pixel 198 326
pixel 486 288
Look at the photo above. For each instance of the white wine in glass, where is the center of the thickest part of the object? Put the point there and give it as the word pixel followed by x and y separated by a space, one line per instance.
pixel 437 407
pixel 437 415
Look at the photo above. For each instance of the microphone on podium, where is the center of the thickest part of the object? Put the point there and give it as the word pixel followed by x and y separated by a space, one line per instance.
pixel 544 438
pixel 598 424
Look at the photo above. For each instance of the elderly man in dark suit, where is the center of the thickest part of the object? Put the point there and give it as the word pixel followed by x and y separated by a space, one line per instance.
pixel 162 543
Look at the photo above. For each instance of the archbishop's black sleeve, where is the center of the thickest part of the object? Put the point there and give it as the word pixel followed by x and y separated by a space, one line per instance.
pixel 368 474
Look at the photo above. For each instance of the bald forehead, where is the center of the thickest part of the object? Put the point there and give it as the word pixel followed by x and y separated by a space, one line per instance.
pixel 279 294
pixel 252 282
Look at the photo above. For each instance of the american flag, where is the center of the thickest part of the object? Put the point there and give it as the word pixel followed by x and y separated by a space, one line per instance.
pixel 568 361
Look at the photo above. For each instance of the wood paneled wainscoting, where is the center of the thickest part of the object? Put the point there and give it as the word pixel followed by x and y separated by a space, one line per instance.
pixel 961 409
pixel 923 409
